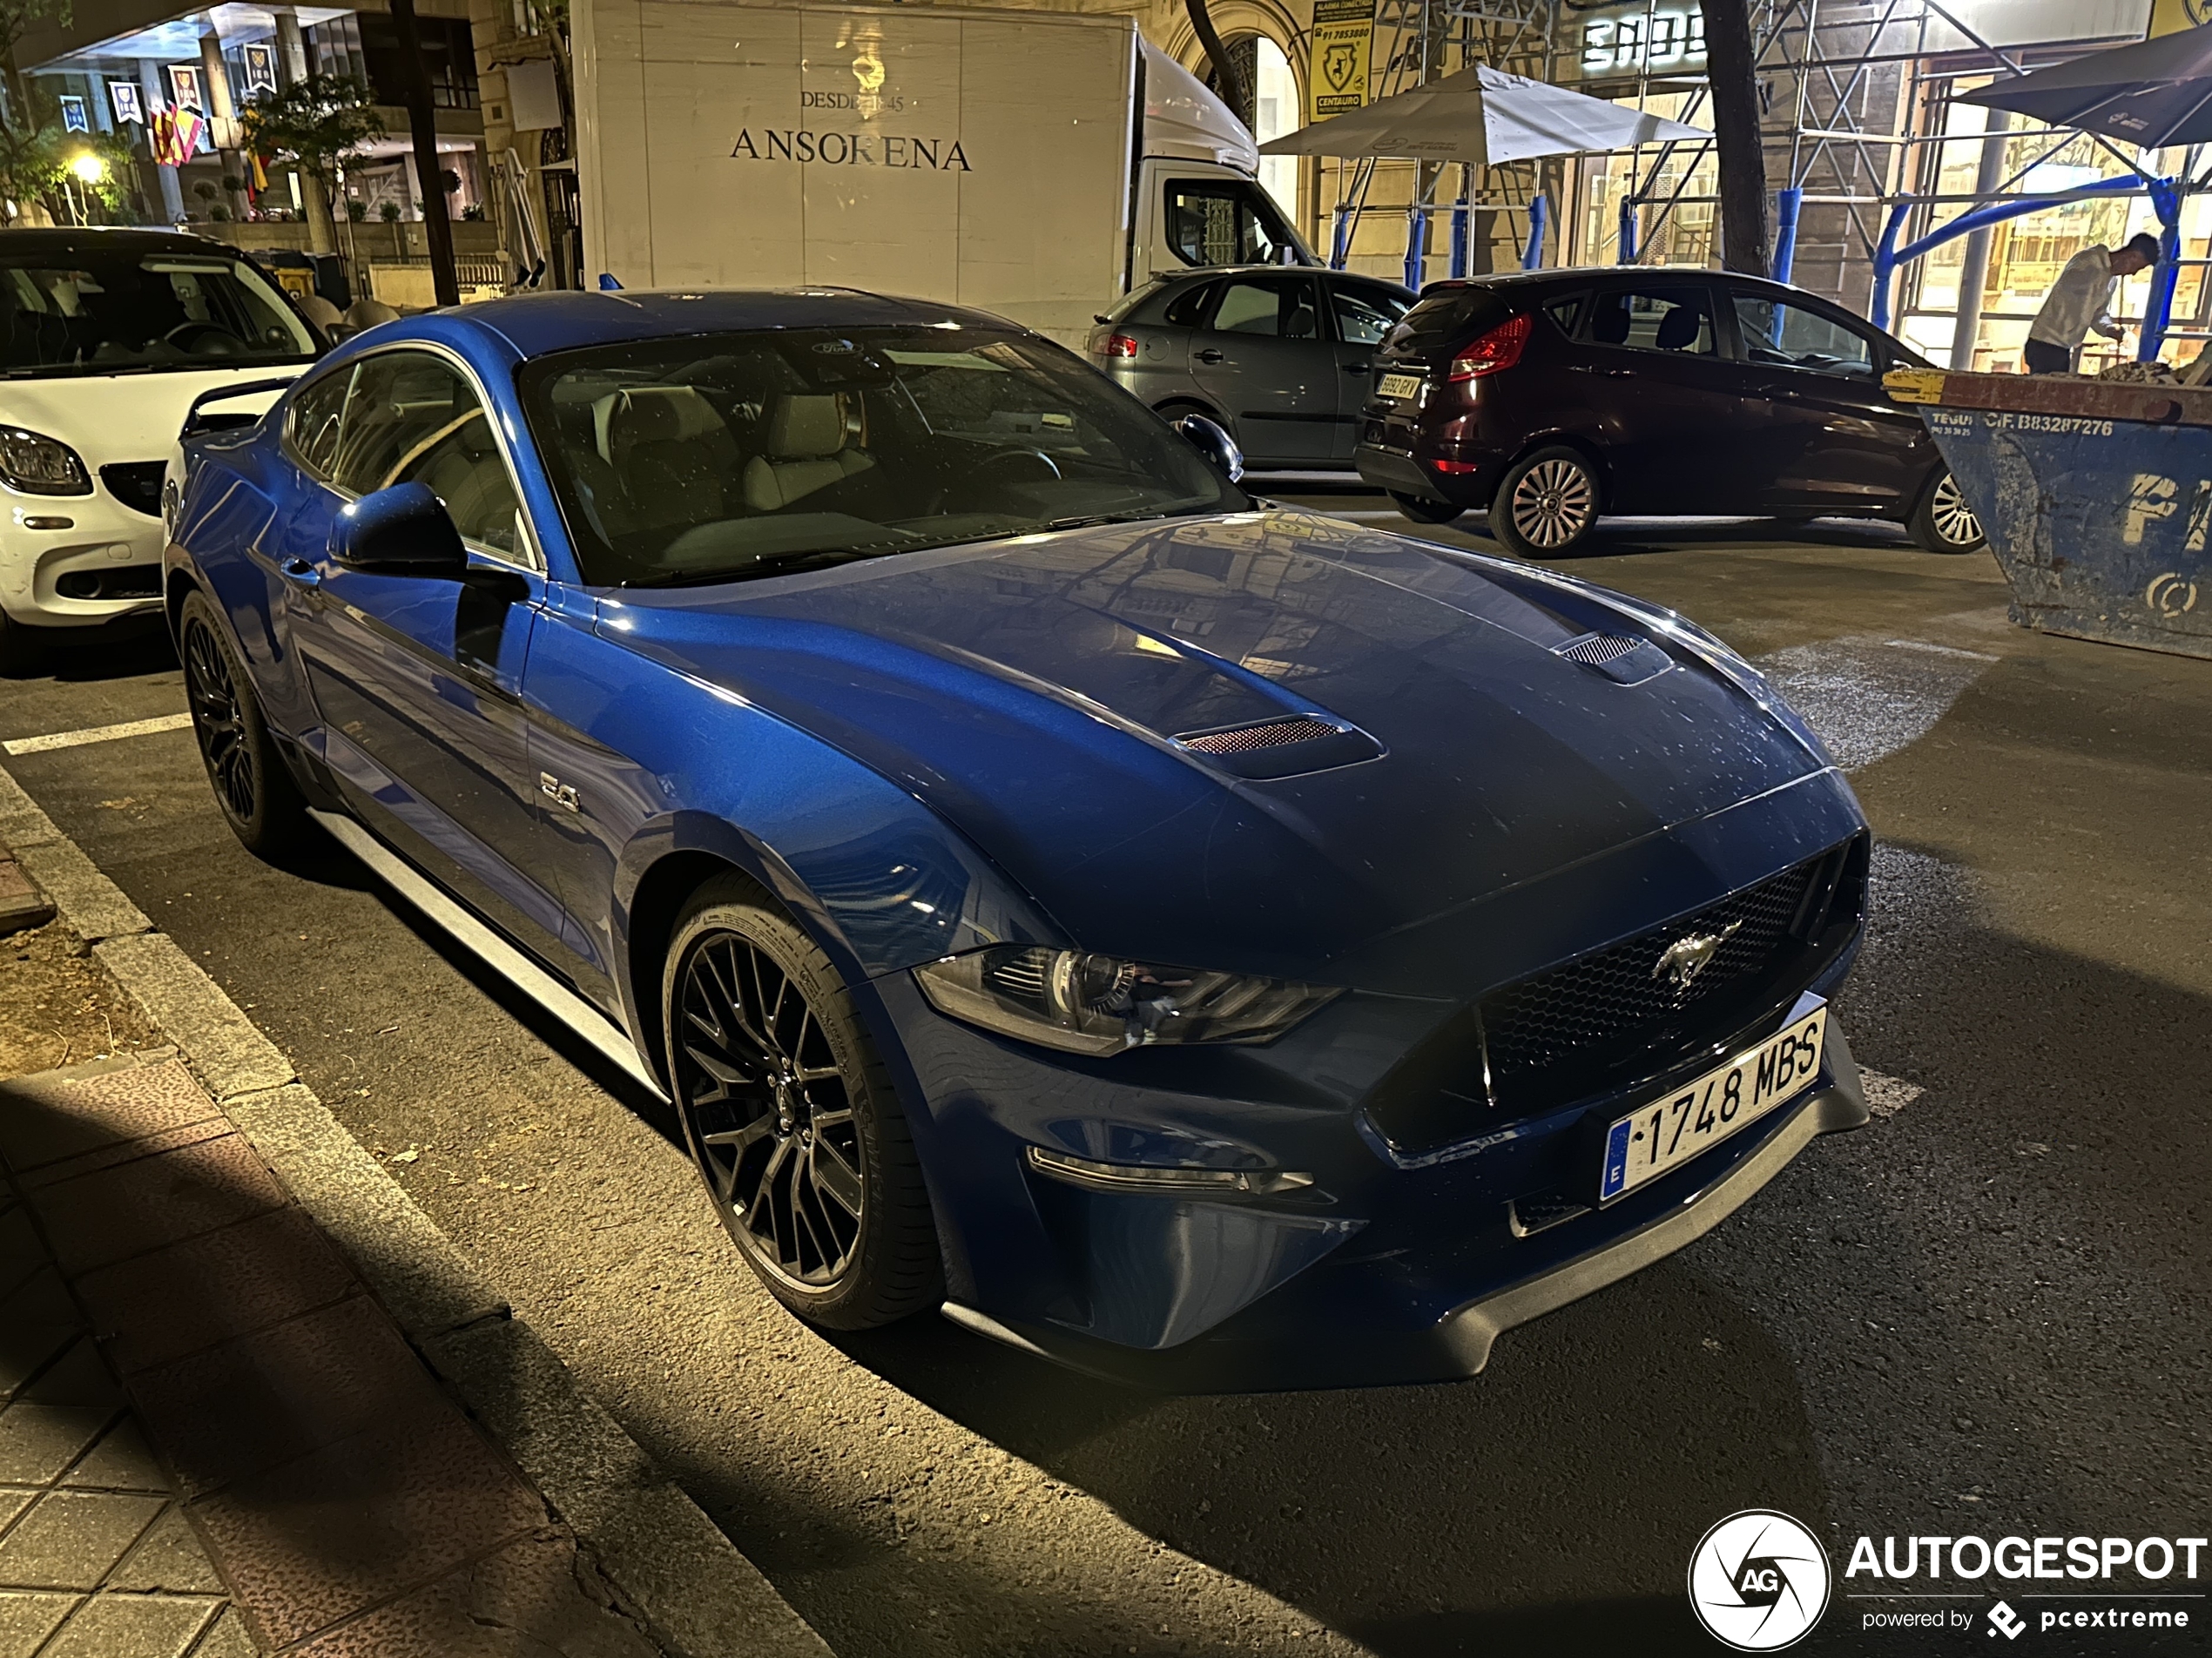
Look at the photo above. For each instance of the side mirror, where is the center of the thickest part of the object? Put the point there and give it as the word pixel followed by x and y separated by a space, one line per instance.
pixel 403 530
pixel 1219 448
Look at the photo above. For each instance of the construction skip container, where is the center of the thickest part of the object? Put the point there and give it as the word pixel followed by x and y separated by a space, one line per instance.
pixel 1037 165
pixel 2096 496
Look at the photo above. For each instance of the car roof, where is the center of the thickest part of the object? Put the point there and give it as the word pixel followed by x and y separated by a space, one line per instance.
pixel 1207 273
pixel 535 324
pixel 1583 275
pixel 116 239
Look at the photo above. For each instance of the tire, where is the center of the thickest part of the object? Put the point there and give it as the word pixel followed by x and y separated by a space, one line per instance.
pixel 1423 511
pixel 22 649
pixel 1546 504
pixel 253 789
pixel 1943 522
pixel 791 1116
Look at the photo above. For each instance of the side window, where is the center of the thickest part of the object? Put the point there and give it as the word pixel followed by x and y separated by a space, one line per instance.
pixel 1775 331
pixel 1184 310
pixel 312 424
pixel 1223 222
pixel 1365 315
pixel 1669 317
pixel 414 418
pixel 1280 309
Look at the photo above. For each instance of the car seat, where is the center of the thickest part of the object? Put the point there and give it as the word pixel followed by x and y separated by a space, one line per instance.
pixel 673 451
pixel 806 451
pixel 1679 328
pixel 1609 323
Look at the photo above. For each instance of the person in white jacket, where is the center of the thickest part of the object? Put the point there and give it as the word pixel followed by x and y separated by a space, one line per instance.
pixel 2082 300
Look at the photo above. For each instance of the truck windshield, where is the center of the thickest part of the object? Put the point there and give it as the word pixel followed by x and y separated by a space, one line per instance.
pixel 1227 221
pixel 89 312
pixel 719 457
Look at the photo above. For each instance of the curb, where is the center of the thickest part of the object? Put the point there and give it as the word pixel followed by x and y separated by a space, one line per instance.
pixel 655 1547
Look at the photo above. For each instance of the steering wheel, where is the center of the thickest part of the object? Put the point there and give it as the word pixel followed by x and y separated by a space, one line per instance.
pixel 212 332
pixel 992 462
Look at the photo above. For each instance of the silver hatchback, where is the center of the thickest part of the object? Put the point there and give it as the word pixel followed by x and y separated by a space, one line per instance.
pixel 1281 357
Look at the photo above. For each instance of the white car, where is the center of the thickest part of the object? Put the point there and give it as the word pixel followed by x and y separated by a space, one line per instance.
pixel 107 338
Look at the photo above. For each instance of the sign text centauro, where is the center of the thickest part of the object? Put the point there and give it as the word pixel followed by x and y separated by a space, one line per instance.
pixel 2083 1558
pixel 851 149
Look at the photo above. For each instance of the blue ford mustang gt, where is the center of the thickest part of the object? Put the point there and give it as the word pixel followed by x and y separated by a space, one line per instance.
pixel 1209 943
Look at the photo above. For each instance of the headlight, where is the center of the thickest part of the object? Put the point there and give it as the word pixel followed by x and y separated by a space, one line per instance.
pixel 39 466
pixel 1103 1004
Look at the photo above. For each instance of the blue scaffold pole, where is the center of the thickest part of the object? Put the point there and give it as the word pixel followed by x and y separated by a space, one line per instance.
pixel 1786 204
pixel 1532 258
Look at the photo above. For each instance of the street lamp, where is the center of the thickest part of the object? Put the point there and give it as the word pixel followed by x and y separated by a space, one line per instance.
pixel 89 168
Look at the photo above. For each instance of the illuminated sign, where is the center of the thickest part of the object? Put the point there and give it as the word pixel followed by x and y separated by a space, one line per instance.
pixel 1630 40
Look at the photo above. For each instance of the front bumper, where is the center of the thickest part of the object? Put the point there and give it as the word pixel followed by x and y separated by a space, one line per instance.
pixel 77 561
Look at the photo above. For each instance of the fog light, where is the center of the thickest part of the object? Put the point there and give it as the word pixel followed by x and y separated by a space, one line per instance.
pixel 1143 1178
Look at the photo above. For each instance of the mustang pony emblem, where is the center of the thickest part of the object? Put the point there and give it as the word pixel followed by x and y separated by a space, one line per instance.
pixel 1684 960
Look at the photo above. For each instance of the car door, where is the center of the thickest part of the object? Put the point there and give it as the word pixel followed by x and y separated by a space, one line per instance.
pixel 1262 357
pixel 417 680
pixel 1673 410
pixel 1361 316
pixel 1832 440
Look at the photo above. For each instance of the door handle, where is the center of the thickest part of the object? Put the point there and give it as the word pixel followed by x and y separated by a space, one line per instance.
pixel 300 570
pixel 1209 355
pixel 1357 367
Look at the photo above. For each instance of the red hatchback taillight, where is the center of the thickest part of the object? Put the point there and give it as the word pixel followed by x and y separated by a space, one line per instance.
pixel 1499 349
pixel 1118 345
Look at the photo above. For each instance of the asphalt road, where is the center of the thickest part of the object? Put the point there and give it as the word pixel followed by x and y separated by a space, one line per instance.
pixel 1985 1313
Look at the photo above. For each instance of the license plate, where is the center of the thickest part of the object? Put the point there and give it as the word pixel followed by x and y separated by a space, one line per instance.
pixel 1665 1134
pixel 1400 386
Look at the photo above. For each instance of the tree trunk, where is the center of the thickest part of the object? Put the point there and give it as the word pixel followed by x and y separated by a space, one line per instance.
pixel 1735 132
pixel 422 125
pixel 314 198
pixel 1224 67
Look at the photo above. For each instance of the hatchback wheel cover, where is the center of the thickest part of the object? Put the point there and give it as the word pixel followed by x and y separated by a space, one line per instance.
pixel 218 722
pixel 1552 504
pixel 1954 520
pixel 769 1112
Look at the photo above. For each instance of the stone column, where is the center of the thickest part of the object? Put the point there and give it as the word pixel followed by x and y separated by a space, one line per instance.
pixel 154 89
pixel 215 76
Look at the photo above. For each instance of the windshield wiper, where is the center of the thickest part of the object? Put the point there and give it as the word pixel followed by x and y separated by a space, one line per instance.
pixel 778 565
pixel 1134 515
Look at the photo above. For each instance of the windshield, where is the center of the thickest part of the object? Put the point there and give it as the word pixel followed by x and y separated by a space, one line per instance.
pixel 717 457
pixel 89 313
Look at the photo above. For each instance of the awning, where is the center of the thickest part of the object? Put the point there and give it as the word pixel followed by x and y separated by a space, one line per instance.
pixel 2155 94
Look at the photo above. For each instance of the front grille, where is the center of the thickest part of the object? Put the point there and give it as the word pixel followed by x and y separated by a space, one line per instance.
pixel 1275 734
pixel 1632 1012
pixel 137 484
pixel 1595 650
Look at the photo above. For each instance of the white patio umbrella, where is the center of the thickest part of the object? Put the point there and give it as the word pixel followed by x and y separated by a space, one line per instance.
pixel 1481 114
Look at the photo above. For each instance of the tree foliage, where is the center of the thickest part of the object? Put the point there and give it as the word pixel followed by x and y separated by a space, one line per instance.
pixel 31 157
pixel 319 124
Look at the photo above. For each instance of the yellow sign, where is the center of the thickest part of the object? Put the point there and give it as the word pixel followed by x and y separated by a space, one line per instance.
pixel 2171 17
pixel 1914 385
pixel 1344 34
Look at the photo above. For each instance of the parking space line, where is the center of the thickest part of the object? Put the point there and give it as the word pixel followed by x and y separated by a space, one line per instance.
pixel 96 734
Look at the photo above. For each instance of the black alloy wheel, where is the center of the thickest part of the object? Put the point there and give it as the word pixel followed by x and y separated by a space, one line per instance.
pixel 1943 522
pixel 259 799
pixel 1546 504
pixel 791 1118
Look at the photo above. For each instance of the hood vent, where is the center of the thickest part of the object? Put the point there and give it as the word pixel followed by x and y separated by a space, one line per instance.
pixel 1280 748
pixel 1617 657
pixel 1244 739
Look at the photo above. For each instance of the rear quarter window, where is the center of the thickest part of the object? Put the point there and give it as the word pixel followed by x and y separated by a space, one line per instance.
pixel 1447 321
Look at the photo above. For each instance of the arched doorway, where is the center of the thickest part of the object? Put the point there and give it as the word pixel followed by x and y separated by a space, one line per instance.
pixel 1275 112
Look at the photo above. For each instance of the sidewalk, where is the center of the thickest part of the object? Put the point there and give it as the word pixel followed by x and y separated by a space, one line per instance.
pixel 251 1399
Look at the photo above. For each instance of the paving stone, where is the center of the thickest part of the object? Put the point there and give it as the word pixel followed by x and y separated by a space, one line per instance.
pixel 168 1557
pixel 122 1461
pixel 131 1626
pixel 229 1052
pixel 228 1639
pixel 46 1118
pixel 39 1441
pixel 78 1377
pixel 123 1151
pixel 40 1300
pixel 154 1308
pixel 232 1411
pixel 362 1520
pixel 22 1251
pixel 13 1500
pixel 25 1349
pixel 70 1538
pixel 532 1599
pixel 102 1217
pixel 27 1619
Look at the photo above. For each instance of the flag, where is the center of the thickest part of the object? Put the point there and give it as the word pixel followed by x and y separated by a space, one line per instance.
pixel 261 172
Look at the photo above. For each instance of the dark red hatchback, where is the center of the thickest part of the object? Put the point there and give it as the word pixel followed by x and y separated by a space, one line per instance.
pixel 1551 397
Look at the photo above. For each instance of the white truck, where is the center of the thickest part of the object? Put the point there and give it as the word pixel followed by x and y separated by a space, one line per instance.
pixel 1033 163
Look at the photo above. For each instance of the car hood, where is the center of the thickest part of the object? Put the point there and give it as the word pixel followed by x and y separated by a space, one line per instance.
pixel 108 418
pixel 1033 691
